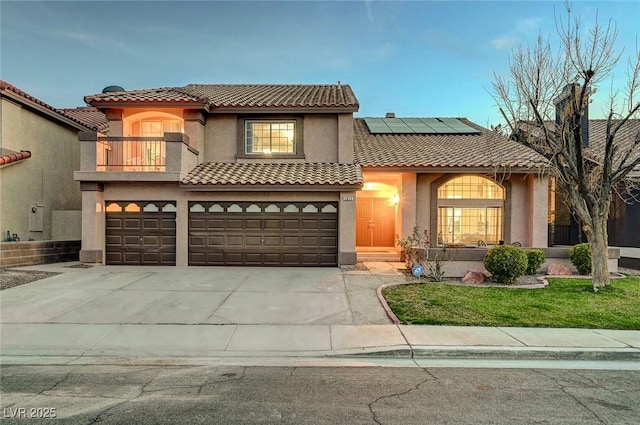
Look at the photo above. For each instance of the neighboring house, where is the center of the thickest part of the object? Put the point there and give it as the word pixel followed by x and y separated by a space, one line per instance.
pixel 39 151
pixel 624 217
pixel 284 175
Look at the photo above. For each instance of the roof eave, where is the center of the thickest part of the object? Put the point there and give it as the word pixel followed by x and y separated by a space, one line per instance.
pixel 284 109
pixel 114 104
pixel 226 187
pixel 42 110
pixel 429 169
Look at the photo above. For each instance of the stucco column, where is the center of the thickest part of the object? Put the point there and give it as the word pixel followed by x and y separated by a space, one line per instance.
pixel 116 123
pixel 93 223
pixel 408 204
pixel 345 138
pixel 347 229
pixel 538 209
pixel 194 123
pixel 182 232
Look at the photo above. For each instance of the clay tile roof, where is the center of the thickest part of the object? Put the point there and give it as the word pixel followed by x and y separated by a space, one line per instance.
pixel 14 157
pixel 628 134
pixel 95 121
pixel 239 95
pixel 275 95
pixel 482 150
pixel 163 94
pixel 91 116
pixel 311 174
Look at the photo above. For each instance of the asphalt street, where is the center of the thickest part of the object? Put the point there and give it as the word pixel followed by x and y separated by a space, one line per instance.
pixel 112 394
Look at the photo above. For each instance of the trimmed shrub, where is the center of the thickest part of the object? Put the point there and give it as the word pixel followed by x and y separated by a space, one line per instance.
pixel 535 258
pixel 580 256
pixel 506 263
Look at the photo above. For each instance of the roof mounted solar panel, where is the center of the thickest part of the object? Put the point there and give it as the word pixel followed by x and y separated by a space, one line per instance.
pixel 398 127
pixel 458 126
pixel 377 126
pixel 418 126
pixel 437 125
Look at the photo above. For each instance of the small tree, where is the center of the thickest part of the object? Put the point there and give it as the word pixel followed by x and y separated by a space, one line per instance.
pixel 545 102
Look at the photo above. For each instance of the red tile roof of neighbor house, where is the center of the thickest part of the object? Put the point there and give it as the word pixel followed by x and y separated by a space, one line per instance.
pixel 239 95
pixel 627 138
pixel 90 118
pixel 485 149
pixel 88 115
pixel 14 157
pixel 275 174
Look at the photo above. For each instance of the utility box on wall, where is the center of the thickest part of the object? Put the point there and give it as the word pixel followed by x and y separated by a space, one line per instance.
pixel 36 218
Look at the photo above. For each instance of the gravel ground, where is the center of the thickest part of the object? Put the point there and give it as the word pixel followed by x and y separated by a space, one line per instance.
pixel 10 278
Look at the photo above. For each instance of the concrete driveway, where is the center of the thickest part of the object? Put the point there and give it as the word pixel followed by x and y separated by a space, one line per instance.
pixel 198 295
pixel 194 311
pixel 168 314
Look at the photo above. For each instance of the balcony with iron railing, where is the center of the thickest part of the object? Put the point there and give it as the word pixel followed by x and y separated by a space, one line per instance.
pixel 142 154
pixel 166 158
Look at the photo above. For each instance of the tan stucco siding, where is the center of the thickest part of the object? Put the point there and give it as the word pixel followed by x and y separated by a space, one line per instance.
pixel 220 139
pixel 321 138
pixel 44 179
pixel 518 224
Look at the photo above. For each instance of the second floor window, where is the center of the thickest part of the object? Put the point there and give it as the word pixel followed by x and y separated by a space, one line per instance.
pixel 270 137
pixel 152 128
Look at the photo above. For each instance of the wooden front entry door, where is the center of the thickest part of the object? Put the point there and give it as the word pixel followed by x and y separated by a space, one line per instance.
pixel 375 222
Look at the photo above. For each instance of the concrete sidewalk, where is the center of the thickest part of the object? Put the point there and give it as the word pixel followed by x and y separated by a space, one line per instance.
pixel 135 313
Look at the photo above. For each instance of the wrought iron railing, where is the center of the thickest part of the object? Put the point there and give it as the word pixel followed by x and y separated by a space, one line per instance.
pixel 131 154
pixel 559 234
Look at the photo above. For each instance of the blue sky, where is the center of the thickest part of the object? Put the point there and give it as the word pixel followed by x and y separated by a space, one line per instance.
pixel 415 58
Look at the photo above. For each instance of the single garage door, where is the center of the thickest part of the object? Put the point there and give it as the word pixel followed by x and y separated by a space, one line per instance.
pixel 263 233
pixel 141 233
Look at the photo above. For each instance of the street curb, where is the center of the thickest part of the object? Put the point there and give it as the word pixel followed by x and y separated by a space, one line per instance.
pixel 383 301
pixel 527 353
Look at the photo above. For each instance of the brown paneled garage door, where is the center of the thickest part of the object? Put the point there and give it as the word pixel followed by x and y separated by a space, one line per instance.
pixel 141 233
pixel 263 233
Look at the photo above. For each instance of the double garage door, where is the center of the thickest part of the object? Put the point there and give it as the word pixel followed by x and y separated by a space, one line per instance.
pixel 263 233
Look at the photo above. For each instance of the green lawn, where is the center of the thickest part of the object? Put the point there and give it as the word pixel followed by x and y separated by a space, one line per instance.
pixel 565 303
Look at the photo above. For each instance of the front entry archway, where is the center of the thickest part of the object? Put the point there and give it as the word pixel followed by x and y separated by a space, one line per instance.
pixel 375 222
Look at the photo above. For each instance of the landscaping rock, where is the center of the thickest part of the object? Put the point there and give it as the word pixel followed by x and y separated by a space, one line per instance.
pixel 472 276
pixel 558 270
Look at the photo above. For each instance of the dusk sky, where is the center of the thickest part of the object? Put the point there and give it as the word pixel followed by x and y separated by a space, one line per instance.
pixel 416 58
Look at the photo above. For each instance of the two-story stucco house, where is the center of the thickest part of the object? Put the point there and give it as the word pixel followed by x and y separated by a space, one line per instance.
pixel 214 174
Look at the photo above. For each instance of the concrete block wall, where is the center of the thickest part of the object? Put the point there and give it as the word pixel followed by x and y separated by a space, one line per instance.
pixel 14 254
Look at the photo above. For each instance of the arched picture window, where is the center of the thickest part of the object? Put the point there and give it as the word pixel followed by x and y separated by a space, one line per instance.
pixel 216 208
pixel 470 211
pixel 196 208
